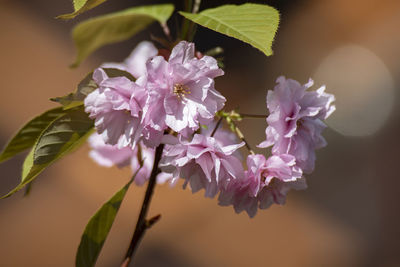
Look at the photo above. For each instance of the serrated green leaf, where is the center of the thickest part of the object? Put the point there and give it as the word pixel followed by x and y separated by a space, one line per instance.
pixel 27 135
pixel 61 136
pixel 97 229
pixel 86 86
pixel 94 33
pixel 254 24
pixel 81 6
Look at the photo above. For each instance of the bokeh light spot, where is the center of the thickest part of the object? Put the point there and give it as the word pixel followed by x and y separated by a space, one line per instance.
pixel 363 87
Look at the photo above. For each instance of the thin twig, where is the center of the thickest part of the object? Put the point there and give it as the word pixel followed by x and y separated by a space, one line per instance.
pixel 241 137
pixel 244 115
pixel 152 220
pixel 216 126
pixel 142 224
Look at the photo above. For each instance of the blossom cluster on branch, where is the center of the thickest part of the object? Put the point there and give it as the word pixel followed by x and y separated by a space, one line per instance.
pixel 159 112
pixel 174 102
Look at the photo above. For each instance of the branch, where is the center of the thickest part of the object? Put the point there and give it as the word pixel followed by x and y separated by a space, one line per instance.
pixel 142 224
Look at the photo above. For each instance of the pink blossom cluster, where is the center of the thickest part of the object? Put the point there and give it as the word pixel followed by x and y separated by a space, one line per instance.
pixel 174 102
pixel 295 124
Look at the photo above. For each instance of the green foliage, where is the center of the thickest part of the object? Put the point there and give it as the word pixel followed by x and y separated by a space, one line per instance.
pixel 97 229
pixel 81 6
pixel 55 132
pixel 85 87
pixel 27 136
pixel 94 33
pixel 78 4
pixel 254 24
pixel 60 137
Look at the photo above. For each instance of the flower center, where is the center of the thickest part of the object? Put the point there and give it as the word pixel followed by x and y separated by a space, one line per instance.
pixel 181 90
pixel 299 123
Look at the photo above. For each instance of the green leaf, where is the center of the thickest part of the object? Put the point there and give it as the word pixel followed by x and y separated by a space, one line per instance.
pixel 64 133
pixel 78 4
pixel 81 6
pixel 85 87
pixel 112 72
pixel 94 33
pixel 97 229
pixel 61 136
pixel 254 24
pixel 27 135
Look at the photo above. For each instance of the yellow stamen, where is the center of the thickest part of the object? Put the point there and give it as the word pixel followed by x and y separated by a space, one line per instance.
pixel 181 90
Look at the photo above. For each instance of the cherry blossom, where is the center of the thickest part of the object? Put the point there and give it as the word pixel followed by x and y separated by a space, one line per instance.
pixel 110 155
pixel 260 182
pixel 295 122
pixel 181 92
pixel 116 106
pixel 203 163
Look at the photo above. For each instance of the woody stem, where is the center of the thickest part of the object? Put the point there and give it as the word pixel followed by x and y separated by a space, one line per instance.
pixel 143 224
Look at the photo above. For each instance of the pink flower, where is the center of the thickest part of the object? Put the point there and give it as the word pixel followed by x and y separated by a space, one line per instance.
pixel 110 155
pixel 181 92
pixel 277 190
pixel 296 119
pixel 262 176
pixel 116 106
pixel 135 63
pixel 203 163
pixel 222 136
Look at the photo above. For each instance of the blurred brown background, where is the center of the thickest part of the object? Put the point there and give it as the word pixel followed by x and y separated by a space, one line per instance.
pixel 349 216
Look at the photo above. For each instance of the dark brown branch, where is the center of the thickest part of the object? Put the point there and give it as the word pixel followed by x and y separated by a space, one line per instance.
pixel 142 224
pixel 153 220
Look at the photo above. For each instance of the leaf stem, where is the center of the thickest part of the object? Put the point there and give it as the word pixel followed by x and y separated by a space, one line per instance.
pixel 192 25
pixel 241 137
pixel 245 115
pixel 186 22
pixel 143 224
pixel 189 27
